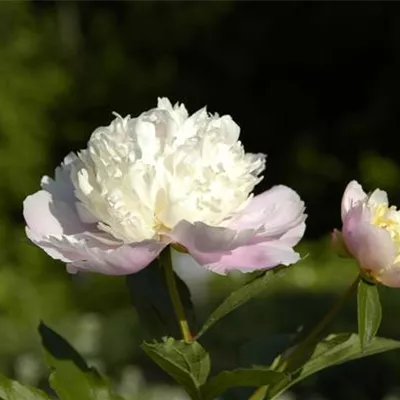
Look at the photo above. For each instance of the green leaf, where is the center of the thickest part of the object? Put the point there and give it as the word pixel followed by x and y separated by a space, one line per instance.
pixel 241 296
pixel 12 390
pixel 71 377
pixel 369 312
pixel 150 297
pixel 59 348
pixel 246 377
pixel 333 350
pixel 188 364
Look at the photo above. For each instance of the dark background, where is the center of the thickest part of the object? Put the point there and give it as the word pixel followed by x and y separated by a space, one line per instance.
pixel 315 85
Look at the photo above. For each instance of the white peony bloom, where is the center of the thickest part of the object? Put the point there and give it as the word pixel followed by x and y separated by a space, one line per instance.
pixel 164 178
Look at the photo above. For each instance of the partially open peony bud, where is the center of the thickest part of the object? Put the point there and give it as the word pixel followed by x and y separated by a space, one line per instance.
pixel 164 178
pixel 371 232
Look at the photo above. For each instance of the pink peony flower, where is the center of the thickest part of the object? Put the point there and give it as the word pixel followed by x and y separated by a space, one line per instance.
pixel 371 233
pixel 164 178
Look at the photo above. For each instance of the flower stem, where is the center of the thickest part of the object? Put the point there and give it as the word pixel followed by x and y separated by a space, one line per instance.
pixel 174 295
pixel 314 333
pixel 259 393
pixel 336 307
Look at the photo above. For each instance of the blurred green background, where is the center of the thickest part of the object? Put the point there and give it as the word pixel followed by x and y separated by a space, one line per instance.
pixel 313 85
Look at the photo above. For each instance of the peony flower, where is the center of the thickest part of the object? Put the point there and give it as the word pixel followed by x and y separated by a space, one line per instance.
pixel 164 178
pixel 371 233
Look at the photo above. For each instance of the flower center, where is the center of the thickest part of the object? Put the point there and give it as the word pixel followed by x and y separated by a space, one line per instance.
pixel 388 218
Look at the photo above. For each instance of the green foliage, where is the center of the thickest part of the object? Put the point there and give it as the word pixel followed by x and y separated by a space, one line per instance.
pixel 31 83
pixel 241 296
pixel 369 312
pixel 71 377
pixel 188 364
pixel 57 348
pixel 12 390
pixel 334 350
pixel 252 377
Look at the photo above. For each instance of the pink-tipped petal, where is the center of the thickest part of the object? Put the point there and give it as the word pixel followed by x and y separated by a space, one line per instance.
pixel 209 239
pixel 46 217
pixel 260 236
pixel 294 235
pixel 273 213
pixel 222 250
pixel 352 194
pixel 248 258
pixel 370 245
pixel 54 225
pixel 124 260
pixel 61 187
pixel 89 253
pixel 45 243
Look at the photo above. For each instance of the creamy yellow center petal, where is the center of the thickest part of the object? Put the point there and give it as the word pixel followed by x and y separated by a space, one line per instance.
pixel 388 218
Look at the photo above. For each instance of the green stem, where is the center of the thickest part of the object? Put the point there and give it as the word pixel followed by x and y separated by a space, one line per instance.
pixel 174 295
pixel 314 333
pixel 259 393
pixel 336 307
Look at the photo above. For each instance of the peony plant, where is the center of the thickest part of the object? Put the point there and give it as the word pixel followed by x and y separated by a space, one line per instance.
pixel 166 180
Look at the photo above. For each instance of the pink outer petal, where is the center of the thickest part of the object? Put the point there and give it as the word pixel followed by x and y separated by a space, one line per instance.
pixel 45 216
pixel 353 194
pixel 390 277
pixel 272 213
pixel 53 225
pixel 249 258
pixel 45 244
pixel 84 252
pixel 207 238
pixel 294 235
pixel 62 187
pixel 124 260
pixel 222 250
pixel 260 236
pixel 53 210
pixel 370 245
